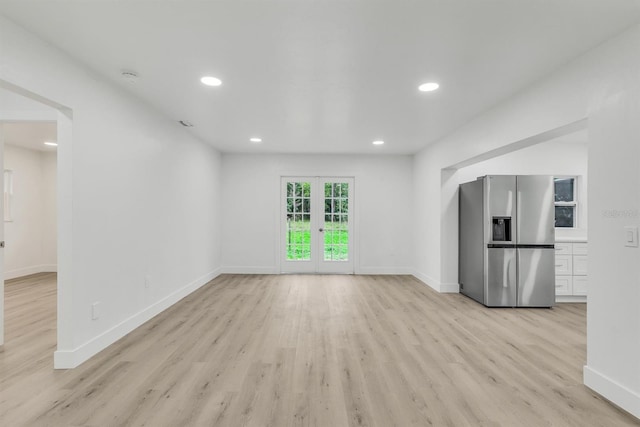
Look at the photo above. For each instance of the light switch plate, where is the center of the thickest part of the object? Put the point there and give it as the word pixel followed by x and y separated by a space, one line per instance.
pixel 95 311
pixel 631 236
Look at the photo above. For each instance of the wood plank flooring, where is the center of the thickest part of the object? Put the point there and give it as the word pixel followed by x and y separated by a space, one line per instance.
pixel 289 350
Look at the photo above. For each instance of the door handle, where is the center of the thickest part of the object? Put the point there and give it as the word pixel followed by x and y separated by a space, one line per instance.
pixel 506 280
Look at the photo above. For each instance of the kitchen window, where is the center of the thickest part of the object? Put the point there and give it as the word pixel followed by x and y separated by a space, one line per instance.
pixel 566 201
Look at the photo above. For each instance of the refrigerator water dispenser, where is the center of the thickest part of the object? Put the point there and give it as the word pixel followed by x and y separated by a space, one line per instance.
pixel 501 226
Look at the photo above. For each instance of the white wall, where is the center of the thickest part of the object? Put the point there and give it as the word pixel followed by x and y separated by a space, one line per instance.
pixel 14 107
pixel 613 317
pixel 31 235
pixel 550 158
pixel 49 206
pixel 603 85
pixel 251 209
pixel 138 197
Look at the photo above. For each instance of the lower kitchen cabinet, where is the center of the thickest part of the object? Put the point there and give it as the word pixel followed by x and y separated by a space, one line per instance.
pixel 571 271
pixel 580 285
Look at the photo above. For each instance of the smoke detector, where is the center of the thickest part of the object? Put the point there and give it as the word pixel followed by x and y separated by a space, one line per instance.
pixel 130 76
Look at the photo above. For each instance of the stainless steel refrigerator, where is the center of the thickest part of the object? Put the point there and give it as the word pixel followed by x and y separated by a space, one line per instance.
pixel 506 240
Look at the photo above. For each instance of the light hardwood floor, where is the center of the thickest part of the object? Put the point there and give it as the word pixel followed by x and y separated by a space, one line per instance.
pixel 307 351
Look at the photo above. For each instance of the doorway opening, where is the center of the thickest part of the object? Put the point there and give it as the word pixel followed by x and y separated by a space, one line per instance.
pixel 561 153
pixel 35 181
pixel 30 169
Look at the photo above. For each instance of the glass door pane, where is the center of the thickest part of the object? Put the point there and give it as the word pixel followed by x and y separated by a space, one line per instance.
pixel 336 246
pixel 298 228
pixel 297 225
pixel 336 223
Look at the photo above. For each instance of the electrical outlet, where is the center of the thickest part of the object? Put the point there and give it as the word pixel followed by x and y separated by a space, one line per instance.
pixel 147 281
pixel 95 310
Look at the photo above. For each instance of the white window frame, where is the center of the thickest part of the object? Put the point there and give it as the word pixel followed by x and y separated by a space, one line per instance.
pixel 573 203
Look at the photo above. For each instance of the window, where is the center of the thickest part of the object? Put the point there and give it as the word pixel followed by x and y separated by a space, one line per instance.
pixel 8 194
pixel 566 203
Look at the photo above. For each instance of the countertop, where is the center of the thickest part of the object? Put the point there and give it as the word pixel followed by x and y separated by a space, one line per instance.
pixel 572 239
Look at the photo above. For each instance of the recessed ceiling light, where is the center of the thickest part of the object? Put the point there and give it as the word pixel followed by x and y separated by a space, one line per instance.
pixel 51 144
pixel 428 87
pixel 211 81
pixel 378 142
pixel 256 140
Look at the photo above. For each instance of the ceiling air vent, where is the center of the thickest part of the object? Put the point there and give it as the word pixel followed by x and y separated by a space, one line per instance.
pixel 129 76
pixel 186 123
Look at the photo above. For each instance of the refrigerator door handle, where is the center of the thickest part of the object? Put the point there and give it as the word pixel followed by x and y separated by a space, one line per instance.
pixel 505 275
pixel 518 204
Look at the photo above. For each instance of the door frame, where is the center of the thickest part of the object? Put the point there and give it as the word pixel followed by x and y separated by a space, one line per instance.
pixel 281 246
pixel 63 116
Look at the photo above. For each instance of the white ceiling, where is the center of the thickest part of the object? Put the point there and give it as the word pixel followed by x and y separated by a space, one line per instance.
pixel 30 135
pixel 313 76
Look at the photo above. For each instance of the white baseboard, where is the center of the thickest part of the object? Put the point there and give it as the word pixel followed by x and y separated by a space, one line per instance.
pixel 450 288
pixel 618 394
pixel 444 288
pixel 68 359
pixel 384 270
pixel 361 270
pixel 250 270
pixel 26 271
pixel 427 280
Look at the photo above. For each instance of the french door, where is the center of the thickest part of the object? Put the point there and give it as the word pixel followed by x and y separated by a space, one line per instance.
pixel 317 225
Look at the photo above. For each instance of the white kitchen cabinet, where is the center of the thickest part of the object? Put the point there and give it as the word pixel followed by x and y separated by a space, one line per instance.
pixel 571 271
pixel 580 285
pixel 564 285
pixel 564 248
pixel 579 248
pixel 579 265
pixel 564 265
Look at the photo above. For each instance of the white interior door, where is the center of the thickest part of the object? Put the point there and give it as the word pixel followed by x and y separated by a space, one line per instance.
pixel 317 225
